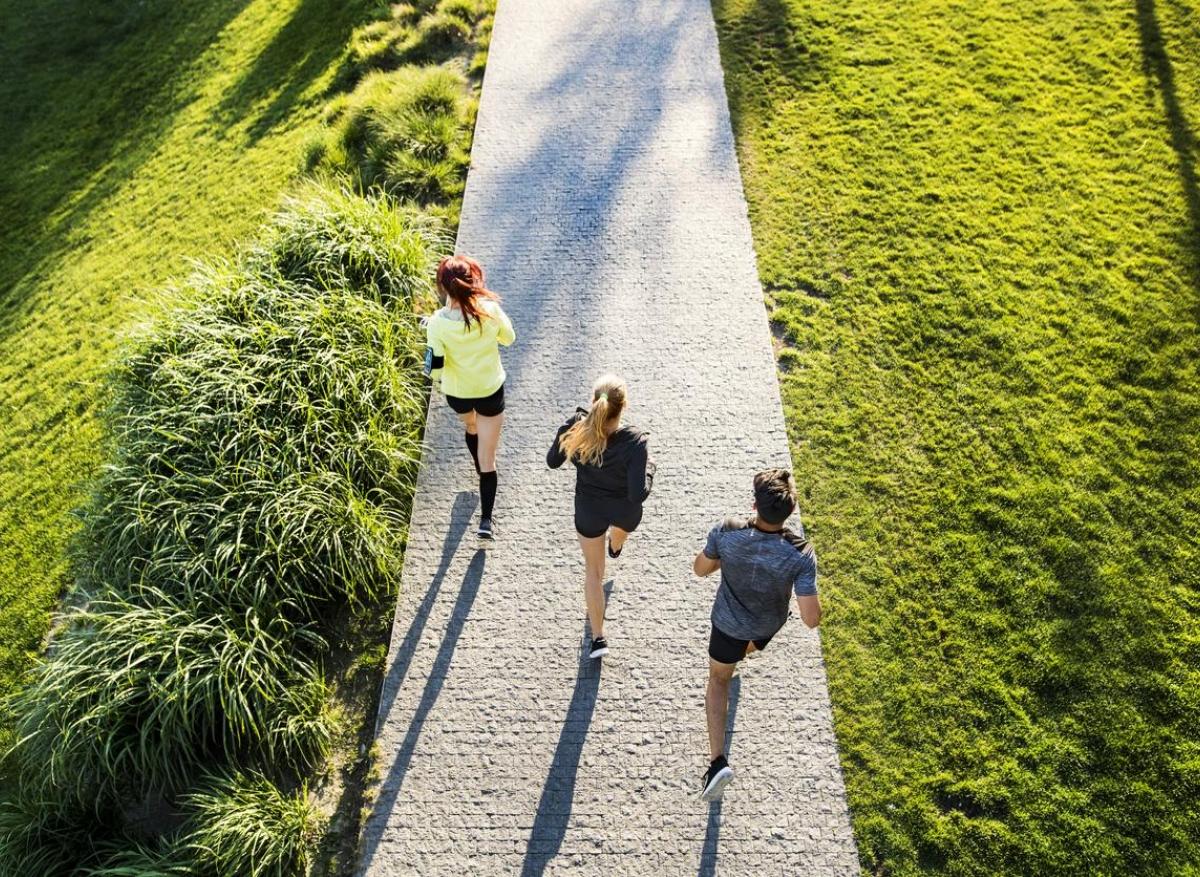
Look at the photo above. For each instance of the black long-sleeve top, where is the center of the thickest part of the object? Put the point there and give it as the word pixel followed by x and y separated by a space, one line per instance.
pixel 625 471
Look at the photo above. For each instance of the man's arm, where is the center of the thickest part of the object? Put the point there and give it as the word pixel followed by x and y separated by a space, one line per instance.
pixel 810 610
pixel 704 565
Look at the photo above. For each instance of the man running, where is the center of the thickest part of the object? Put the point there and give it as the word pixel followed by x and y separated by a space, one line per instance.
pixel 762 563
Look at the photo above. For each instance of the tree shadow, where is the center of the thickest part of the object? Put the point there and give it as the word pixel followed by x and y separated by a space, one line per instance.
pixel 558 793
pixel 74 136
pixel 1157 66
pixel 301 51
pixel 393 781
pixel 712 832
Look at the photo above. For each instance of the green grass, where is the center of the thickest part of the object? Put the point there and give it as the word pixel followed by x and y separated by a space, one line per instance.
pixel 266 436
pixel 978 225
pixel 202 703
pixel 137 135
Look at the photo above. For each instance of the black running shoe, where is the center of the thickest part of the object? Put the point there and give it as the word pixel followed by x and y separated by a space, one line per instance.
pixel 614 554
pixel 599 648
pixel 485 530
pixel 716 778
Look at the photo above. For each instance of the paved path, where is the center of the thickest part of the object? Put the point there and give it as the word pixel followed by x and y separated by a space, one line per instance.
pixel 605 201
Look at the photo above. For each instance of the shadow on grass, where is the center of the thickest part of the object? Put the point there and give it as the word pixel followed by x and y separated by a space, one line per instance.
pixel 1156 63
pixel 300 52
pixel 87 104
pixel 712 832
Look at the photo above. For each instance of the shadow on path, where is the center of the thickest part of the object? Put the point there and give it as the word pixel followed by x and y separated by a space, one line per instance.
pixel 712 833
pixel 460 519
pixel 393 780
pixel 558 794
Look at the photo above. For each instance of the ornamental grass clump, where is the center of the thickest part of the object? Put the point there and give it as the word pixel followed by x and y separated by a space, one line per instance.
pixel 328 236
pixel 246 825
pixel 265 440
pixel 137 698
pixel 268 433
pixel 406 132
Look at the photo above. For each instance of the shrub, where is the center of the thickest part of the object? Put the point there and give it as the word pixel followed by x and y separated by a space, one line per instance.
pixel 245 825
pixel 470 11
pixel 328 236
pixel 405 132
pixel 438 37
pixel 137 698
pixel 40 839
pixel 138 860
pixel 270 433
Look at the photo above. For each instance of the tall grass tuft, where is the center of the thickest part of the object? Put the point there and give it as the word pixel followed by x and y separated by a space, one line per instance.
pixel 41 838
pixel 247 826
pixel 138 698
pixel 328 236
pixel 406 132
pixel 266 436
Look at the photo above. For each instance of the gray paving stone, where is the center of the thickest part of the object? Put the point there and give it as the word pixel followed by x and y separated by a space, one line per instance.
pixel 605 201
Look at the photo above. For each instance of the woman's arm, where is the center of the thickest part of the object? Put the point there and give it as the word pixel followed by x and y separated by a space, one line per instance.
pixel 555 457
pixel 435 351
pixel 507 333
pixel 639 477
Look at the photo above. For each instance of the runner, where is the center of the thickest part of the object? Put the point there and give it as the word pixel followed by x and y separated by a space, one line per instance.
pixel 463 339
pixel 613 477
pixel 762 563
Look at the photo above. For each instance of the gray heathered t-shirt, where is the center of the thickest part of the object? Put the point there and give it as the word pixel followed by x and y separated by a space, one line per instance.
pixel 759 573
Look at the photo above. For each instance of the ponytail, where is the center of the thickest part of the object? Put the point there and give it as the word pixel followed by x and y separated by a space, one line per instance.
pixel 587 439
pixel 461 278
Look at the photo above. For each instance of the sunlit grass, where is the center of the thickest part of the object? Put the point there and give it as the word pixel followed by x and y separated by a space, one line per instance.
pixel 978 226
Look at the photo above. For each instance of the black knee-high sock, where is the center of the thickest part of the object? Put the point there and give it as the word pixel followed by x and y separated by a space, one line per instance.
pixel 473 447
pixel 487 493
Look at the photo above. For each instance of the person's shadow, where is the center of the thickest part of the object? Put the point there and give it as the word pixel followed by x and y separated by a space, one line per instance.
pixel 394 776
pixel 558 794
pixel 712 834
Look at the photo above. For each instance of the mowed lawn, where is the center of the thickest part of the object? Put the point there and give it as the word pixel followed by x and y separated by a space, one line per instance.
pixel 978 225
pixel 137 135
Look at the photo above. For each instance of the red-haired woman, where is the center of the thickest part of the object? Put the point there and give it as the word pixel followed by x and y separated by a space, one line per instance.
pixel 463 341
pixel 613 477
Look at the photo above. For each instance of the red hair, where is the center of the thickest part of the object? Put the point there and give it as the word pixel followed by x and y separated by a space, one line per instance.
pixel 461 278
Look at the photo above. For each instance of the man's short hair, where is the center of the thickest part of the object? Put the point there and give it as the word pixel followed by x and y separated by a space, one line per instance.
pixel 774 495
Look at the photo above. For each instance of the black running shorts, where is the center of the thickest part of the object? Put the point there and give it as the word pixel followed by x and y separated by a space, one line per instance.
pixel 724 649
pixel 488 406
pixel 594 515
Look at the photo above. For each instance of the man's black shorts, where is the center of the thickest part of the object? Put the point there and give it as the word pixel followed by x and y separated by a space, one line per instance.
pixel 594 515
pixel 724 649
pixel 488 406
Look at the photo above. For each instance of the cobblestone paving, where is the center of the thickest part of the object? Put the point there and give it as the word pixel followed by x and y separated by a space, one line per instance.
pixel 605 201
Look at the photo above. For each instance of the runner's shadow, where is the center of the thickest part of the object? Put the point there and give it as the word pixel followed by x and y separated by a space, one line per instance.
pixel 460 519
pixel 558 794
pixel 393 781
pixel 712 834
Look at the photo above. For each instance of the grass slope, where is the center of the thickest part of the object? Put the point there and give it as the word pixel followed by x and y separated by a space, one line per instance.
pixel 137 134
pixel 978 225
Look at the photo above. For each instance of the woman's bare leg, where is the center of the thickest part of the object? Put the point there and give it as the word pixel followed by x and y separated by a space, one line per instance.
pixel 489 440
pixel 593 587
pixel 617 537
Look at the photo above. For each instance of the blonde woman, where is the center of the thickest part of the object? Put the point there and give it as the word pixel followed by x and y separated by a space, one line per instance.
pixel 613 477
pixel 463 345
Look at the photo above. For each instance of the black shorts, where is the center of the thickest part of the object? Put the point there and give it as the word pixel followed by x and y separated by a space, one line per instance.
pixel 724 649
pixel 594 515
pixel 487 406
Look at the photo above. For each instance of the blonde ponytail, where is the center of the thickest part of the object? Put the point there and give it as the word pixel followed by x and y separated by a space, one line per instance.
pixel 587 439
